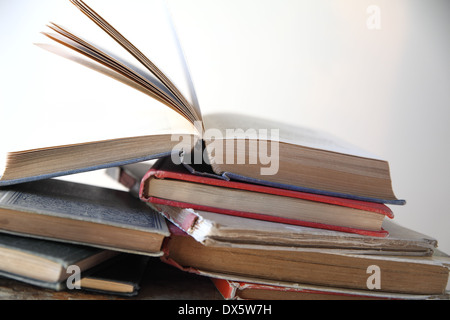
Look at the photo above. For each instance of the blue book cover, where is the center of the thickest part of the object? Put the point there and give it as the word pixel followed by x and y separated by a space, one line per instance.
pixel 46 263
pixel 82 214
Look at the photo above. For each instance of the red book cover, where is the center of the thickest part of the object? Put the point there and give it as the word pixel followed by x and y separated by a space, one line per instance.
pixel 232 290
pixel 185 176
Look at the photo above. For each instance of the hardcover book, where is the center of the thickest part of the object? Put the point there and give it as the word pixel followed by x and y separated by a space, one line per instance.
pixel 169 184
pixel 82 214
pixel 119 276
pixel 219 230
pixel 45 263
pixel 397 274
pixel 299 158
pixel 269 290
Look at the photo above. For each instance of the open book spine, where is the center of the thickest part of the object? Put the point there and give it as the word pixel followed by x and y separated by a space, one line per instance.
pixel 161 174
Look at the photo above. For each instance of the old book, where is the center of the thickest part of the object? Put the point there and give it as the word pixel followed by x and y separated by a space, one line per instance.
pixel 395 274
pixel 119 276
pixel 160 282
pixel 45 263
pixel 245 290
pixel 275 153
pixel 130 175
pixel 170 184
pixel 213 229
pixel 217 229
pixel 82 214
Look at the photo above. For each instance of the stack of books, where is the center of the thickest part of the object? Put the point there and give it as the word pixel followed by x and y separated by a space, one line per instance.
pixel 253 254
pixel 266 210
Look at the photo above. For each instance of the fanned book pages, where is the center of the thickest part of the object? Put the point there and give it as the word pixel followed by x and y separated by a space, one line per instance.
pixel 236 147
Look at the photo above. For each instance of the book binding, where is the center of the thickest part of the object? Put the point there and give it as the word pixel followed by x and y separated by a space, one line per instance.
pixel 356 204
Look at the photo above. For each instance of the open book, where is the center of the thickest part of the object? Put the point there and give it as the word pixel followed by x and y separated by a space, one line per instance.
pixel 235 147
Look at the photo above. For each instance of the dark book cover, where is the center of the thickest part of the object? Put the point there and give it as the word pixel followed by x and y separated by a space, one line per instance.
pixel 16 251
pixel 126 270
pixel 76 202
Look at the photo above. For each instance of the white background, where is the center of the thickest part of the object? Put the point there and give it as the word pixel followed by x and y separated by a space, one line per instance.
pixel 312 63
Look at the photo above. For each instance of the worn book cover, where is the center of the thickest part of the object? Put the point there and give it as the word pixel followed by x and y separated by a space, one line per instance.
pixel 245 289
pixel 45 263
pixel 213 229
pixel 83 214
pixel 393 273
pixel 173 185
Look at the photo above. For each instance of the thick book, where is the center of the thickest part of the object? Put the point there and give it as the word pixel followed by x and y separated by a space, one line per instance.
pixel 277 154
pixel 219 230
pixel 247 290
pixel 170 184
pixel 226 230
pixel 82 214
pixel 46 263
pixel 394 274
